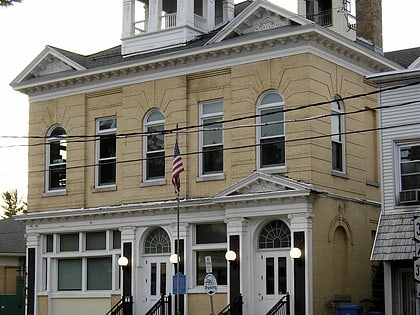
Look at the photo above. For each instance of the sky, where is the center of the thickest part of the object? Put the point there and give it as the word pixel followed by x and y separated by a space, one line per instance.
pixel 88 26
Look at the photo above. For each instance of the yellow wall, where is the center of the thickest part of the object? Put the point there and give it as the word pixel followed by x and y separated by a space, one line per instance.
pixel 91 306
pixel 302 79
pixel 199 304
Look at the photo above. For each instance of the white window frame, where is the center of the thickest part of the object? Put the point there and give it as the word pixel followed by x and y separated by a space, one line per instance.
pixel 203 117
pixel 99 133
pixel 342 127
pixel 397 169
pixel 50 260
pixel 49 165
pixel 281 167
pixel 146 125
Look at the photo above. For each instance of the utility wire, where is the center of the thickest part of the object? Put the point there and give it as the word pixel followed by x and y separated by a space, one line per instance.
pixel 180 129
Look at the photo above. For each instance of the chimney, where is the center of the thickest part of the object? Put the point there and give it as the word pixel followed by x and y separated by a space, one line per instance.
pixel 369 22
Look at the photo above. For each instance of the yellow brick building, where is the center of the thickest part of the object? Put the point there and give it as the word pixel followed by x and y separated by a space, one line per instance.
pixel 275 124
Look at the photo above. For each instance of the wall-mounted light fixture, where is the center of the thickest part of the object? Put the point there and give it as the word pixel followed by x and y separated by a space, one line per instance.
pixel 174 259
pixel 295 253
pixel 123 261
pixel 230 255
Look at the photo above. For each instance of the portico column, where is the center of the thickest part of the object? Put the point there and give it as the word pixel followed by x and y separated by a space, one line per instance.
pixel 127 241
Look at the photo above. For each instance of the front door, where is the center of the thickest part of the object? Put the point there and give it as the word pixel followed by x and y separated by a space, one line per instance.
pixel 272 279
pixel 158 275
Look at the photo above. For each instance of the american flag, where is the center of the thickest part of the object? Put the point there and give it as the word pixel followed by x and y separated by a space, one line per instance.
pixel 177 168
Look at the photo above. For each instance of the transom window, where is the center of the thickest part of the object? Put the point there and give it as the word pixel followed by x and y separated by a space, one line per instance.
pixel 337 134
pixel 275 234
pixel 270 133
pixel 106 147
pixel 157 242
pixel 154 146
pixel 56 159
pixel 211 137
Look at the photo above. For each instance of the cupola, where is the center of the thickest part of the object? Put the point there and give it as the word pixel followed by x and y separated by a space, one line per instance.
pixel 151 25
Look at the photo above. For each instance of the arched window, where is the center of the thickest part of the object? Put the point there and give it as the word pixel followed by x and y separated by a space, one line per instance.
pixel 56 159
pixel 337 134
pixel 270 133
pixel 157 242
pixel 154 146
pixel 275 234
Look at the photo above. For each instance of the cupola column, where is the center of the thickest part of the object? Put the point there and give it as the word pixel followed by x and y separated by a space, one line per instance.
pixel 228 10
pixel 128 18
pixel 210 14
pixel 185 12
pixel 155 12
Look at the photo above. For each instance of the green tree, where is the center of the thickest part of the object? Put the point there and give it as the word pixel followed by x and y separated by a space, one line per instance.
pixel 13 204
pixel 6 3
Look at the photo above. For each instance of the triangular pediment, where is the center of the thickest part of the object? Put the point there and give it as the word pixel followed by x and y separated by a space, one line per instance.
pixel 49 61
pixel 259 183
pixel 259 16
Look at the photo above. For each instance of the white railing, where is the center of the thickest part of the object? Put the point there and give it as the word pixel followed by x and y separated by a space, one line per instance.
pixel 168 21
pixel 140 27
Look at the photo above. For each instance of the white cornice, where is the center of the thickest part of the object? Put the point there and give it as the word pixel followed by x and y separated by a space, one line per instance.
pixel 245 49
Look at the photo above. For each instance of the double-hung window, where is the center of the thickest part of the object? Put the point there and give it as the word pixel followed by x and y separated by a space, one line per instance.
pixel 106 148
pixel 337 135
pixel 270 131
pixel 56 159
pixel 211 137
pixel 409 171
pixel 154 146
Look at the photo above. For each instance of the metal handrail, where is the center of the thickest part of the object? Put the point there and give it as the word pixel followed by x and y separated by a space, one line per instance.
pixel 234 308
pixel 282 307
pixel 162 307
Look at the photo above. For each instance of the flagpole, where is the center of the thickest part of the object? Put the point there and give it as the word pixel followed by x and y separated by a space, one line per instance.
pixel 178 256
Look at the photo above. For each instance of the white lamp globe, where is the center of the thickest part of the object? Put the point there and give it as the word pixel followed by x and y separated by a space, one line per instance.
pixel 230 255
pixel 123 261
pixel 295 253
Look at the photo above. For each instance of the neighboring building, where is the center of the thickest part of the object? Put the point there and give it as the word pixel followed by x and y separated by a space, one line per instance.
pixel 12 267
pixel 400 151
pixel 269 109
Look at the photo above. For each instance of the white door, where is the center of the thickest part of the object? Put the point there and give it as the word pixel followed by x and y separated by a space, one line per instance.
pixel 158 278
pixel 272 278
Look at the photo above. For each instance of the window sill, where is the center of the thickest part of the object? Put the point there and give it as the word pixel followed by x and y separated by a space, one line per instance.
pixel 52 193
pixel 340 174
pixel 273 170
pixel 153 182
pixel 208 177
pixel 372 183
pixel 105 188
pixel 83 294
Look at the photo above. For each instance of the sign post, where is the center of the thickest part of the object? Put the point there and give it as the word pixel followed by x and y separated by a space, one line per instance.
pixel 210 287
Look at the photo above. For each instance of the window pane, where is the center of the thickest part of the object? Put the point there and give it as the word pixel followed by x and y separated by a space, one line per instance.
pixel 410 154
pixel 153 284
pixel 50 243
pixel 57 177
pixel 69 242
pixel 336 128
pixel 273 129
pixel 155 116
pixel 58 131
pixel 213 107
pixel 105 124
pixel 410 182
pixel 99 273
pixel 270 98
pixel 282 274
pixel 58 152
pixel 213 159
pixel 219 266
pixel 211 233
pixel 337 156
pixel 155 142
pixel 269 275
pixel 212 136
pixel 272 152
pixel 116 239
pixel 95 240
pixel 163 278
pixel 69 274
pixel 155 165
pixel 107 146
pixel 107 172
